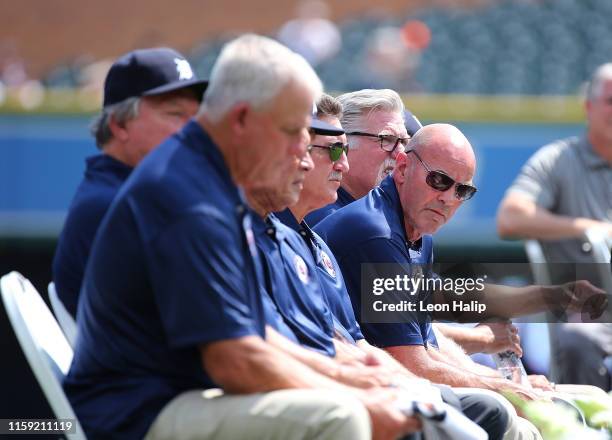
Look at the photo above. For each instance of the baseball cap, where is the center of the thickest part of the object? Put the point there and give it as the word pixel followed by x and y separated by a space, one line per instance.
pixel 411 122
pixel 146 72
pixel 321 127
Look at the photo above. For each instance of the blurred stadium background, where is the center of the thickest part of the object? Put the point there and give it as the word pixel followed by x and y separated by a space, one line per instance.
pixel 507 72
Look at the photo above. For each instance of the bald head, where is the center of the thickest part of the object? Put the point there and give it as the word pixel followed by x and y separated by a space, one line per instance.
pixel 444 142
pixel 436 147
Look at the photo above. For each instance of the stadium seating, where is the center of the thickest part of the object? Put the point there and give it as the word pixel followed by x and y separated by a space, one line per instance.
pixel 548 47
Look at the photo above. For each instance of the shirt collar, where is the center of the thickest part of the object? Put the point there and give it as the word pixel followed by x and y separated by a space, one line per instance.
pixel 197 138
pixel 274 228
pixel 387 188
pixel 590 157
pixel 289 220
pixel 104 162
pixel 344 198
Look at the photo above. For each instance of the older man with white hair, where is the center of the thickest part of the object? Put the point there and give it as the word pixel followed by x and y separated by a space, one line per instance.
pixel 171 305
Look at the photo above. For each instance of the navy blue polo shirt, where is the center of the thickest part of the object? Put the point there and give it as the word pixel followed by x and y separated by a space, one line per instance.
pixel 330 277
pixel 371 230
pixel 291 280
pixel 344 198
pixel 174 266
pixel 103 177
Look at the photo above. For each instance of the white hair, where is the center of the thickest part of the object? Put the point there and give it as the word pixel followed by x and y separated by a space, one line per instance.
pixel 121 112
pixel 254 69
pixel 602 74
pixel 357 106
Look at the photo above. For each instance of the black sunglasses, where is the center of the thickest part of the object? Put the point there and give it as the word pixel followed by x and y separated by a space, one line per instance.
pixel 335 150
pixel 443 182
pixel 388 142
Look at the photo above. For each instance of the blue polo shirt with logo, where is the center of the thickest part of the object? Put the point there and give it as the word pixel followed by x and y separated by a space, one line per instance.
pixel 330 278
pixel 291 280
pixel 344 198
pixel 371 230
pixel 103 177
pixel 174 266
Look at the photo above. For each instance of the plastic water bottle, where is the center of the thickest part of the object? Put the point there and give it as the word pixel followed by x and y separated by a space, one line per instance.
pixel 510 367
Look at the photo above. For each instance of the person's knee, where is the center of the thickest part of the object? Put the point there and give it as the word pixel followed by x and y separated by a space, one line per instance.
pixel 339 416
pixel 496 417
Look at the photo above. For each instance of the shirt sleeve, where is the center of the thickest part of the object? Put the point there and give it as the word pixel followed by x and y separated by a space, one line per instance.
pixel 413 329
pixel 202 282
pixel 539 177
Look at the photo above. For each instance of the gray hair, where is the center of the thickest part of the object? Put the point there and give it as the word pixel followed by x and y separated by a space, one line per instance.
pixel 357 106
pixel 602 74
pixel 327 105
pixel 254 69
pixel 121 112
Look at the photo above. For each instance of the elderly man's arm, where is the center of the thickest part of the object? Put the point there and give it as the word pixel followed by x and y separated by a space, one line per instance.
pixel 520 217
pixel 384 358
pixel 451 353
pixel 352 367
pixel 486 337
pixel 421 362
pixel 251 365
pixel 506 302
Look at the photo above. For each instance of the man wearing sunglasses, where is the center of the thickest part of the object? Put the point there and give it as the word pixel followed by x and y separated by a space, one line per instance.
pixel 328 153
pixel 392 225
pixel 378 127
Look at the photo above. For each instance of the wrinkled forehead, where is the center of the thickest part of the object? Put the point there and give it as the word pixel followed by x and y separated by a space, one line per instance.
pixel 385 122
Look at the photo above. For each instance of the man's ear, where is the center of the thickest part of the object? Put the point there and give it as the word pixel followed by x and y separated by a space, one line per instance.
pixel 239 117
pixel 118 130
pixel 401 163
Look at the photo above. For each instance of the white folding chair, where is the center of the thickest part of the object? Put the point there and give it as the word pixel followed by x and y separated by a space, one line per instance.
pixel 536 336
pixel 537 262
pixel 42 341
pixel 64 318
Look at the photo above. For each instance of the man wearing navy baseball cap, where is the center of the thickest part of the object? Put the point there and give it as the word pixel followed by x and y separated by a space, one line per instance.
pixel 149 94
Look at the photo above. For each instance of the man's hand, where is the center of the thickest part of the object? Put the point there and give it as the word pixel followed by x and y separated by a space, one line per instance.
pixel 500 336
pixel 540 382
pixel 578 296
pixel 522 391
pixel 388 422
pixel 364 376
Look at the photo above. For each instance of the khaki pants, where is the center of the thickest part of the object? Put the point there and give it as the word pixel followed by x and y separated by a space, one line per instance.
pixel 287 414
pixel 518 427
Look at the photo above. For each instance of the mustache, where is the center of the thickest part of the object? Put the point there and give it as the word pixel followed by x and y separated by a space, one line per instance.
pixel 388 163
pixel 335 175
